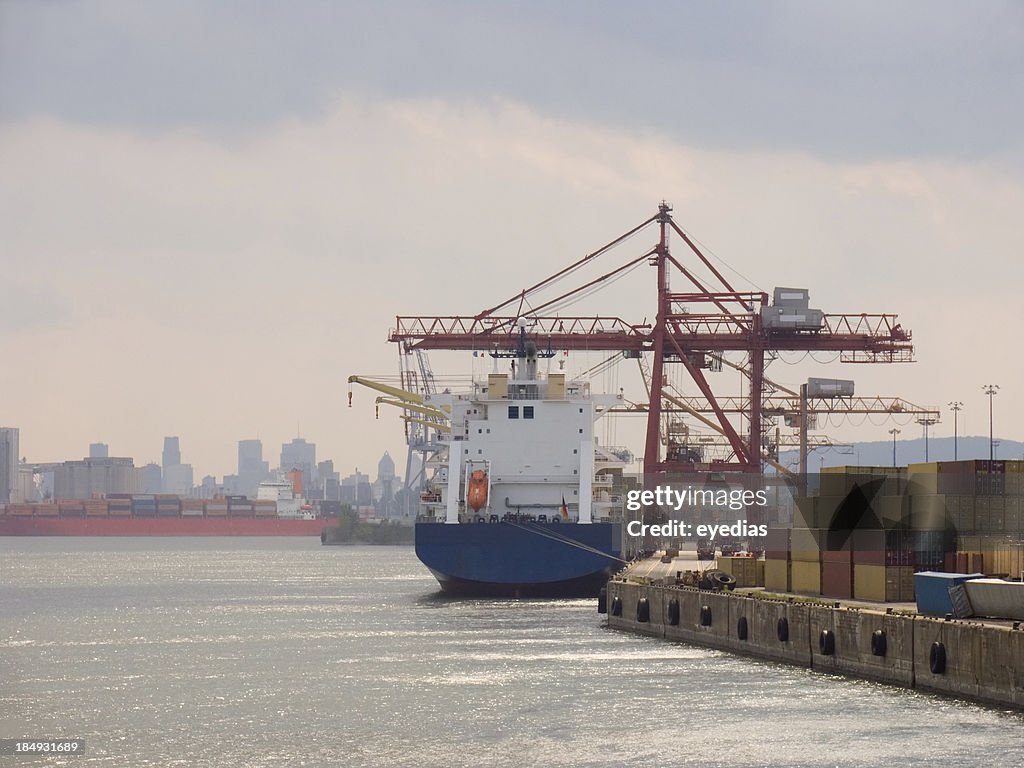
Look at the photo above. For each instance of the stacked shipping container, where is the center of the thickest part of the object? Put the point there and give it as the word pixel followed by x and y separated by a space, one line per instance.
pixel 870 528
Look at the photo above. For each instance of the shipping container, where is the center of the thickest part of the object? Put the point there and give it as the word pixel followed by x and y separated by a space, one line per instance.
pixel 743 569
pixel 837 579
pixel 931 590
pixel 805 545
pixel 929 513
pixel 806 577
pixel 885 584
pixel 776 544
pixel 828 388
pixel 777 576
pixel 869 547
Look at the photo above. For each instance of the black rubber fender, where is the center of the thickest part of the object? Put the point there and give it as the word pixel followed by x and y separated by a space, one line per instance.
pixel 602 600
pixel 937 658
pixel 827 642
pixel 742 628
pixel 616 606
pixel 782 630
pixel 673 612
pixel 705 615
pixel 643 610
pixel 879 643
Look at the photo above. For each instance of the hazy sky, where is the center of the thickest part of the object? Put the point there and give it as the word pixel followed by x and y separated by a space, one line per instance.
pixel 211 213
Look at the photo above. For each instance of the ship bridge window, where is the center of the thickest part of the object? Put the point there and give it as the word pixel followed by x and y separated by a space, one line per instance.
pixel 513 411
pixel 527 411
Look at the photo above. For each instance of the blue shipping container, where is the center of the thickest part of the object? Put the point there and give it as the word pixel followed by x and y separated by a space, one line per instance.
pixel 932 590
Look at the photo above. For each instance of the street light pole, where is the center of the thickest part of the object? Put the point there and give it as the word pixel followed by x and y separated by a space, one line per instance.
pixel 927 421
pixel 955 406
pixel 894 432
pixel 991 390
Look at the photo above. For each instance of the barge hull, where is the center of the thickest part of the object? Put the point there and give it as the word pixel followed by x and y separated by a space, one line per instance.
pixel 158 526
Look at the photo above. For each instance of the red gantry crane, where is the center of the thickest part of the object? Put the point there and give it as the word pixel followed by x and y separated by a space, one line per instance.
pixel 693 329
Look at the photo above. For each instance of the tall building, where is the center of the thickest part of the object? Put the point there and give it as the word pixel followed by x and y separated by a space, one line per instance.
pixel 328 482
pixel 356 490
pixel 177 477
pixel 250 457
pixel 152 478
pixel 298 454
pixel 99 451
pixel 384 490
pixel 208 488
pixel 172 452
pixel 8 462
pixel 252 469
pixel 95 477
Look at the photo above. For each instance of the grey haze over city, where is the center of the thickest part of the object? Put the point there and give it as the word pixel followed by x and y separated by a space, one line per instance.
pixel 211 213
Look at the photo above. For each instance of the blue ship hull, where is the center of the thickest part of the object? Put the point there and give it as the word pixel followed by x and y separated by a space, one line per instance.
pixel 520 559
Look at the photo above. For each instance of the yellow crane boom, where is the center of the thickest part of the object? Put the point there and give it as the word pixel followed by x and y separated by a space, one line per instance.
pixel 424 422
pixel 426 410
pixel 387 389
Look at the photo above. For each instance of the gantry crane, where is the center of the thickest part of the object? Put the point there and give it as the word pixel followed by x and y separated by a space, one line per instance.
pixel 693 330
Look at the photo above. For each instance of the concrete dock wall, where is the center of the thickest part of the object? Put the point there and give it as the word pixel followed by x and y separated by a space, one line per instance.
pixel 983 662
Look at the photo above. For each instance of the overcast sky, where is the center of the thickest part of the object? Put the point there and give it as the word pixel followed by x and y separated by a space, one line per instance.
pixel 210 213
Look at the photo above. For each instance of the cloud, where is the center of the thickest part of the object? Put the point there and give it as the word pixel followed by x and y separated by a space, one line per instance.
pixel 851 81
pixel 222 288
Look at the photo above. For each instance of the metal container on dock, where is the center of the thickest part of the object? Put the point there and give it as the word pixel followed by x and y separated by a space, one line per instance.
pixel 806 577
pixel 778 576
pixel 932 591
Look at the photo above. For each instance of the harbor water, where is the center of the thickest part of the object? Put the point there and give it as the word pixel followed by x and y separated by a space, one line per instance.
pixel 280 652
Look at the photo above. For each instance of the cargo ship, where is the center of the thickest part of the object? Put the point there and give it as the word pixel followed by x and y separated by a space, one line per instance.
pixel 516 505
pixel 156 515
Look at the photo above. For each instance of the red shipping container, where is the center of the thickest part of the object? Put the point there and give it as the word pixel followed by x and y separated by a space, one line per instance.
pixel 837 580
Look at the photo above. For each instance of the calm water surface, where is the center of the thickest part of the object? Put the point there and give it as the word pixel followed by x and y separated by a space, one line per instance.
pixel 280 652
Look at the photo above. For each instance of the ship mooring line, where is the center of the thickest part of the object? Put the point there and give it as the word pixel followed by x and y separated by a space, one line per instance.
pixel 566 540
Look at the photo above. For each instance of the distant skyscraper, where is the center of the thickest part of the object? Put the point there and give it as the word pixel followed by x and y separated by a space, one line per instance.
pixel 152 479
pixel 208 488
pixel 8 462
pixel 356 490
pixel 250 457
pixel 178 479
pixel 172 452
pixel 99 451
pixel 386 467
pixel 252 469
pixel 385 490
pixel 298 454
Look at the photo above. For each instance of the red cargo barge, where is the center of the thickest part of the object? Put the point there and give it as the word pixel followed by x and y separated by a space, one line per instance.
pixel 155 515
pixel 158 526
